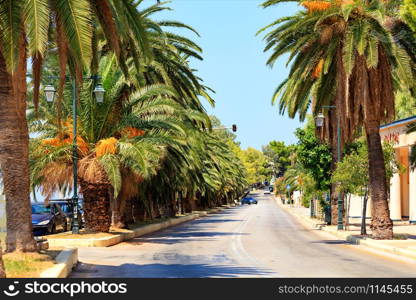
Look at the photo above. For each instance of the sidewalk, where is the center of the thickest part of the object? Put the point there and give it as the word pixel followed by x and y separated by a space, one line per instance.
pixel 403 244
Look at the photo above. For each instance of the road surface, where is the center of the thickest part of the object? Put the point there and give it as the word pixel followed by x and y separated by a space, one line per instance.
pixel 246 241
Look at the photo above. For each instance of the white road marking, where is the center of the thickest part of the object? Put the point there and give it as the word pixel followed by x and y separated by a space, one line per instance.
pixel 240 253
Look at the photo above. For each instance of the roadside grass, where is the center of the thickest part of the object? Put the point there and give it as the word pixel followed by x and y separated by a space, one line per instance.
pixel 28 265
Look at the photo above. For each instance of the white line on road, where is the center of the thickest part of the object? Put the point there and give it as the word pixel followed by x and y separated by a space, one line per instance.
pixel 240 253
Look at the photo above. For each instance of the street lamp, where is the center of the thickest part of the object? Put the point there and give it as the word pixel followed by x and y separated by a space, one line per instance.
pixel 99 96
pixel 49 93
pixel 99 93
pixel 319 122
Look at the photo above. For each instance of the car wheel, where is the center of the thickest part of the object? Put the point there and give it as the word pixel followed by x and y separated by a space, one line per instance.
pixel 65 227
pixel 53 229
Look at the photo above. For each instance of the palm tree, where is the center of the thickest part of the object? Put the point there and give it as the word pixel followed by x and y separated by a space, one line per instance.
pixel 345 51
pixel 204 172
pixel 24 27
pixel 408 11
pixel 14 149
pixel 121 143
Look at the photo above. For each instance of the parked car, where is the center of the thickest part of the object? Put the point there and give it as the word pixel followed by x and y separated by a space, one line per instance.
pixel 48 218
pixel 67 207
pixel 248 200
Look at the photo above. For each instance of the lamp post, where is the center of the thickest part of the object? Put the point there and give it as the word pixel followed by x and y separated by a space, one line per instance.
pixel 312 207
pixel 319 122
pixel 99 97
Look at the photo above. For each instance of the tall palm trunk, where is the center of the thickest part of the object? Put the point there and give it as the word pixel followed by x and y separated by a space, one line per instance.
pixel 117 214
pixel 139 211
pixel 187 203
pixel 2 270
pixel 381 224
pixel 14 158
pixel 375 85
pixel 128 212
pixel 96 206
pixel 332 135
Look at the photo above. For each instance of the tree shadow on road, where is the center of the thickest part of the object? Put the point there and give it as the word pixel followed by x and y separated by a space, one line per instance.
pixel 158 270
pixel 211 220
pixel 182 237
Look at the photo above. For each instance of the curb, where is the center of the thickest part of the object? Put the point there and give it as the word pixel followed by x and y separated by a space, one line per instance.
pixel 65 261
pixel 366 242
pixel 118 238
pixel 374 245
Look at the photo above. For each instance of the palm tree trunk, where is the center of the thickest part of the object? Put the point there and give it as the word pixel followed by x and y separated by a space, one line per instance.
pixel 139 211
pixel 187 205
pixel 117 216
pixel 14 159
pixel 96 206
pixel 332 135
pixel 128 212
pixel 381 224
pixel 2 270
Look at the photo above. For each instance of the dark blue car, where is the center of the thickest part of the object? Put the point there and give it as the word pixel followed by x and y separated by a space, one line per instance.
pixel 48 218
pixel 248 200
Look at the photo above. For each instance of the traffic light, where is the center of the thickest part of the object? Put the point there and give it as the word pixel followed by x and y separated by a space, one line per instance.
pixel 234 128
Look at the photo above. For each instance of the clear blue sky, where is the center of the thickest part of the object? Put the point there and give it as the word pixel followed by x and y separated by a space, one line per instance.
pixel 234 64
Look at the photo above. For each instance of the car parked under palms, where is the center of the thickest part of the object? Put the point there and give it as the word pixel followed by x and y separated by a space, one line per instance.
pixel 48 218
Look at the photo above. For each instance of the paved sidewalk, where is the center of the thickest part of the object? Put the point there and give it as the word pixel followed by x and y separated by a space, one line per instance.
pixel 404 243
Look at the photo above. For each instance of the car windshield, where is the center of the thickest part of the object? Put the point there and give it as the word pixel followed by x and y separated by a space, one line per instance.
pixel 65 207
pixel 40 209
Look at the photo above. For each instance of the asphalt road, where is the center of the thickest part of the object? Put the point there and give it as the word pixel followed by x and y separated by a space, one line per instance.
pixel 245 241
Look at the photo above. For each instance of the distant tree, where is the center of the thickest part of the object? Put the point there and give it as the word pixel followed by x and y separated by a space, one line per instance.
pixel 256 165
pixel 405 104
pixel 314 156
pixel 278 153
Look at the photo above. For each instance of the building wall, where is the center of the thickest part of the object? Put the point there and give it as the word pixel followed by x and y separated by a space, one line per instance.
pixel 356 208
